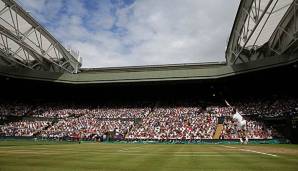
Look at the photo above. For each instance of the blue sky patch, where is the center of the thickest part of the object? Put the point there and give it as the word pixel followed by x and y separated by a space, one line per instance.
pixel 138 32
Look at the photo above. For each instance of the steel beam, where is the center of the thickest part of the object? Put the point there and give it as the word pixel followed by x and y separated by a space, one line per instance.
pixel 286 33
pixel 245 5
pixel 32 40
pixel 251 23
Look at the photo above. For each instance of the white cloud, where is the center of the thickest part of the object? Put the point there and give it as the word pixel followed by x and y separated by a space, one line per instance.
pixel 145 32
pixel 44 10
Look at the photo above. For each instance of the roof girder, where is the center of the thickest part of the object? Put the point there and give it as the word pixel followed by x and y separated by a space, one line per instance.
pixel 256 25
pixel 37 32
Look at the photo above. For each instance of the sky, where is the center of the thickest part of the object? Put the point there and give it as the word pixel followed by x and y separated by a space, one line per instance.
pixel 113 33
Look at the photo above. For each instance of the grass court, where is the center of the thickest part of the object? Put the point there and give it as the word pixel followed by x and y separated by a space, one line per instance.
pixel 35 156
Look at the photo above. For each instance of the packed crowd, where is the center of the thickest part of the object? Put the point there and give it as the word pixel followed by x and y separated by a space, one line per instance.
pixel 175 123
pixel 23 128
pixel 252 130
pixel 14 109
pixel 269 108
pixel 219 111
pixel 85 127
pixel 159 122
pixel 77 121
pixel 64 111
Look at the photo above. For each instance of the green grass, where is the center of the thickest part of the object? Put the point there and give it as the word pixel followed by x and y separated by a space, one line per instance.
pixel 32 156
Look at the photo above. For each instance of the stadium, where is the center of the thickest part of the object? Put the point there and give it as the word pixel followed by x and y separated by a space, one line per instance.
pixel 240 114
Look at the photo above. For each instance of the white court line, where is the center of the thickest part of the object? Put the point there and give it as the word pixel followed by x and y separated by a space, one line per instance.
pixel 252 151
pixel 201 155
pixel 228 146
pixel 136 147
pixel 190 152
pixel 130 149
pixel 176 155
pixel 268 154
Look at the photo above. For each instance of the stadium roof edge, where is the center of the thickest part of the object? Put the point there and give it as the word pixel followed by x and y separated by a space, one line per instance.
pixel 128 75
pixel 155 67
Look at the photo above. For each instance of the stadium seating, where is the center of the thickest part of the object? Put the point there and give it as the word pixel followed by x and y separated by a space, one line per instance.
pixel 175 122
